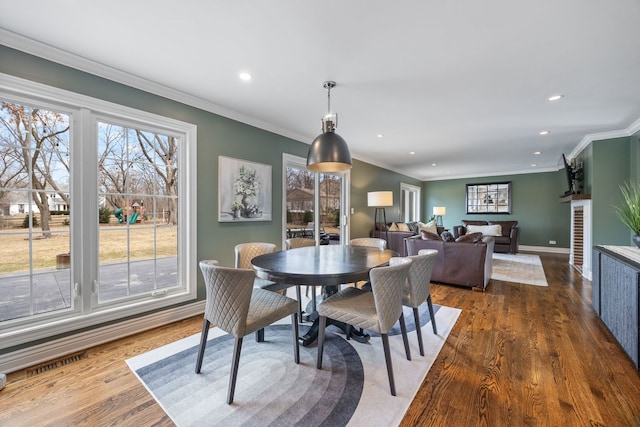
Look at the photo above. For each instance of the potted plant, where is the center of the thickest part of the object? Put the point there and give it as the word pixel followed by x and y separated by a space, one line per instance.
pixel 236 208
pixel 629 211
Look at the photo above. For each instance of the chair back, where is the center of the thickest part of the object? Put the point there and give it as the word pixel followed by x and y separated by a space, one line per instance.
pixel 372 242
pixel 418 285
pixel 245 252
pixel 228 296
pixel 387 286
pixel 298 242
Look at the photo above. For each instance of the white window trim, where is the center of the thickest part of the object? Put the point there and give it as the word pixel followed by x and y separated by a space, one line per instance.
pixel 81 107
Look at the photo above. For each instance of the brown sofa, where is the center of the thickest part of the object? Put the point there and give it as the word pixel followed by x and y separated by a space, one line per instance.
pixel 458 263
pixel 506 243
pixel 396 238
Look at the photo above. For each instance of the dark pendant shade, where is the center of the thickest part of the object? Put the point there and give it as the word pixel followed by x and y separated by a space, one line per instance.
pixel 328 153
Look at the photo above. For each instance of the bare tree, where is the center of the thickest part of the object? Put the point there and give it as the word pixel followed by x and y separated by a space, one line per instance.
pixel 39 136
pixel 160 152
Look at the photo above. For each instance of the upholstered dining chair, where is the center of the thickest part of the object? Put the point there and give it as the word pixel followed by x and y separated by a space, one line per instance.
pixel 377 310
pixel 417 288
pixel 234 305
pixel 244 253
pixel 372 242
pixel 301 242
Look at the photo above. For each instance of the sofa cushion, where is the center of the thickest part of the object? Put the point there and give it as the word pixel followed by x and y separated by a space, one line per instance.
pixel 470 238
pixel 427 235
pixel 487 230
pixel 506 226
pixel 403 226
pixel 430 227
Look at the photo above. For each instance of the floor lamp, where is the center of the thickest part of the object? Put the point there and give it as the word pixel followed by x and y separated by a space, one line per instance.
pixel 378 200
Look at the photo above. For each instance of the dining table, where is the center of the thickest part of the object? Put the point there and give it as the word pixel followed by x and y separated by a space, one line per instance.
pixel 328 266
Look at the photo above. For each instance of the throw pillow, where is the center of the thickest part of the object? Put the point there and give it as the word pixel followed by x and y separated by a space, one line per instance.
pixel 430 227
pixel 413 226
pixel 470 238
pixel 393 227
pixel 426 235
pixel 403 227
pixel 487 230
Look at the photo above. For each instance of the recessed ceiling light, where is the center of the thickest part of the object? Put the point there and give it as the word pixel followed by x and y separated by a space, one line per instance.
pixel 555 98
pixel 412 152
pixel 544 132
pixel 379 135
pixel 533 165
pixel 537 152
pixel 245 76
pixel 433 164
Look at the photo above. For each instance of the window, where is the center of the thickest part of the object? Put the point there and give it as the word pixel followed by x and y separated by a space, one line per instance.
pixel 313 203
pixel 96 211
pixel 409 202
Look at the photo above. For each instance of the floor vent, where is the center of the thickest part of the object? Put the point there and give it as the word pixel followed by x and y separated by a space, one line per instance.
pixel 57 363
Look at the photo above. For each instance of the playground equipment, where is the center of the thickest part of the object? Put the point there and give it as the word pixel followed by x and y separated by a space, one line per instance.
pixel 131 213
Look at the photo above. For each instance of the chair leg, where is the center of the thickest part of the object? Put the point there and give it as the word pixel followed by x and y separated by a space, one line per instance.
pixel 322 323
pixel 299 298
pixel 237 347
pixel 416 319
pixel 313 298
pixel 296 342
pixel 405 338
pixel 387 358
pixel 203 344
pixel 432 315
pixel 260 335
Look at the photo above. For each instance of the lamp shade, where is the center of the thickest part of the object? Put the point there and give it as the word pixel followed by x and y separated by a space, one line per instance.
pixel 439 210
pixel 380 198
pixel 328 153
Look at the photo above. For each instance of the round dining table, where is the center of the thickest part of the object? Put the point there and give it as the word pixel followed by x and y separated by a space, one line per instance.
pixel 328 266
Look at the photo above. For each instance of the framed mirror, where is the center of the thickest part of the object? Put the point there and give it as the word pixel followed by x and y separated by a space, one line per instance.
pixel 494 197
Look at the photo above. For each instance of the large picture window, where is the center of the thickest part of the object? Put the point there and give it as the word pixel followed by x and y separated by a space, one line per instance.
pixel 97 211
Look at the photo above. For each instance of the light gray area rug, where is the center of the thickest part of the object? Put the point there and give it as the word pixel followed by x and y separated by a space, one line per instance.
pixel 351 389
pixel 519 268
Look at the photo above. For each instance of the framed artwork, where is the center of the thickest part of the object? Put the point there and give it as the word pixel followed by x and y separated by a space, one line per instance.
pixel 493 197
pixel 244 190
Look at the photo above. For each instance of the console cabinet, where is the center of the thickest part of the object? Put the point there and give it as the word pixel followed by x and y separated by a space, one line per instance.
pixel 616 294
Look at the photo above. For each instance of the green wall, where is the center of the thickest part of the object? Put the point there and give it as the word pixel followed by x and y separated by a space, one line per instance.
pixel 536 205
pixel 217 136
pixel 365 178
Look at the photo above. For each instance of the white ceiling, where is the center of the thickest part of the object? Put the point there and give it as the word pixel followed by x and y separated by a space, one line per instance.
pixel 463 83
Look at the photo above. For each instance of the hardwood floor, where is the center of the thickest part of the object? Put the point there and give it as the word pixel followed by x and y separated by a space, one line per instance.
pixel 518 355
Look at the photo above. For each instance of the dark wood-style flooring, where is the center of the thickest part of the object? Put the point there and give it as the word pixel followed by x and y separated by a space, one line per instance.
pixel 518 355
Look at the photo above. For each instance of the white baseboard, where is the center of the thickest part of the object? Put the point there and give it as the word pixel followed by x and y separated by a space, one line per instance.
pixel 546 249
pixel 40 353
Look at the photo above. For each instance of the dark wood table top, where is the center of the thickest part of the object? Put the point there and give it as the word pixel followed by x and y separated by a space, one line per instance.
pixel 328 265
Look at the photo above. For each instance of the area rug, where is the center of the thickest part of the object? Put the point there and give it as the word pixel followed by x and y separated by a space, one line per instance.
pixel 518 268
pixel 351 388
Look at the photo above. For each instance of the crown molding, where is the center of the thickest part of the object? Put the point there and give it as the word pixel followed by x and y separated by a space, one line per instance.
pixel 62 57
pixel 588 139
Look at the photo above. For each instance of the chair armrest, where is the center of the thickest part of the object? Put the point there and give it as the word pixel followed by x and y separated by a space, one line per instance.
pixel 459 230
pixel 513 246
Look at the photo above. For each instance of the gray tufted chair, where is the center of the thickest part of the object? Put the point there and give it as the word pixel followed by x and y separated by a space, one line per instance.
pixel 417 289
pixel 372 242
pixel 244 253
pixel 236 307
pixel 377 310
pixel 301 242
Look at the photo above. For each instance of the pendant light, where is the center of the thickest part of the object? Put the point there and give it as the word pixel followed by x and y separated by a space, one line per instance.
pixel 329 152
